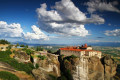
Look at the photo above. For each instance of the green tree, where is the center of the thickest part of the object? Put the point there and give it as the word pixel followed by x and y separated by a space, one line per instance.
pixel 49 51
pixel 2 41
pixel 22 45
pixel 29 51
pixel 26 46
pixel 17 45
pixel 38 48
pixel 36 66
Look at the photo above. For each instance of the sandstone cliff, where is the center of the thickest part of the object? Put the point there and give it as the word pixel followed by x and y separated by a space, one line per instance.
pixel 109 67
pixel 49 68
pixel 88 68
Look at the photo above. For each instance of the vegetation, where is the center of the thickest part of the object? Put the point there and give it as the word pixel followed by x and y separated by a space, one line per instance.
pixel 73 56
pixel 42 57
pixel 49 51
pixel 4 42
pixel 69 57
pixel 26 46
pixel 28 51
pixel 36 66
pixel 8 76
pixel 38 48
pixel 4 57
pixel 53 77
pixel 68 75
pixel 22 45
pixel 17 45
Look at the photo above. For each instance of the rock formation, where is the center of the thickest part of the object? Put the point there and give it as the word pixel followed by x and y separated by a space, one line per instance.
pixel 49 68
pixel 91 68
pixel 22 56
pixel 109 67
pixel 95 69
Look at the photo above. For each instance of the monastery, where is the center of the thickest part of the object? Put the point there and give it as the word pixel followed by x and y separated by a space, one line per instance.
pixel 80 51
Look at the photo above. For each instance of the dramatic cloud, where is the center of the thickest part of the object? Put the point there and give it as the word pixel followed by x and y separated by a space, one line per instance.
pixel 10 30
pixel 65 18
pixel 68 11
pixel 37 34
pixel 115 32
pixel 94 5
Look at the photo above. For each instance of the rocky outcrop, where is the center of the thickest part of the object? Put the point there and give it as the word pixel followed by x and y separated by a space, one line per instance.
pixel 48 68
pixel 91 68
pixel 109 67
pixel 21 56
pixel 95 69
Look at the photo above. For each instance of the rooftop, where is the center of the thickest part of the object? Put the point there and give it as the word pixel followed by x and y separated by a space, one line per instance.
pixel 78 48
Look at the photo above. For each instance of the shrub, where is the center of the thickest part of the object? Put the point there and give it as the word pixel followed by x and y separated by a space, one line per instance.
pixel 38 48
pixel 49 51
pixel 42 57
pixel 73 56
pixel 29 51
pixel 22 45
pixel 36 66
pixel 8 76
pixel 68 74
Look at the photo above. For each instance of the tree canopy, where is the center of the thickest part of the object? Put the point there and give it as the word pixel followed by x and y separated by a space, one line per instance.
pixel 2 41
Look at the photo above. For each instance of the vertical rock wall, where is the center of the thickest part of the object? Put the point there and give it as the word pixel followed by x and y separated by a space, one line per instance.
pixel 81 72
pixel 91 68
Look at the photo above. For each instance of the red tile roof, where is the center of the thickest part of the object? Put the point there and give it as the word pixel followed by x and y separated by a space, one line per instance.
pixel 72 49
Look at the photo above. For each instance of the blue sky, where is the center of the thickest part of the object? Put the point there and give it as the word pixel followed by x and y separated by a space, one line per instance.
pixel 60 21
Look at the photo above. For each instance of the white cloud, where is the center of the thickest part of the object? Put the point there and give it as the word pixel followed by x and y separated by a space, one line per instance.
pixel 10 30
pixel 65 18
pixel 115 32
pixel 94 5
pixel 69 11
pixel 36 35
pixel 75 31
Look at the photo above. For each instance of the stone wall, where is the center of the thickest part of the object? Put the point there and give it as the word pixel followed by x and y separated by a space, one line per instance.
pixel 69 53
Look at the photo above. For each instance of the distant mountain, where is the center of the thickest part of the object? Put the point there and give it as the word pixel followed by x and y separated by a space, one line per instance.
pixel 110 44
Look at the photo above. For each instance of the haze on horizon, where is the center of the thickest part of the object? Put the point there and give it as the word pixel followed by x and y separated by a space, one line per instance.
pixel 60 21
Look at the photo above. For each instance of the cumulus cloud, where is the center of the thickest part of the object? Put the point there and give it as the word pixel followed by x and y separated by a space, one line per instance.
pixel 10 30
pixel 98 5
pixel 69 11
pixel 65 18
pixel 36 34
pixel 115 32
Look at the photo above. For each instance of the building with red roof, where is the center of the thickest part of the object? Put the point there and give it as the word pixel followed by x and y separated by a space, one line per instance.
pixel 80 51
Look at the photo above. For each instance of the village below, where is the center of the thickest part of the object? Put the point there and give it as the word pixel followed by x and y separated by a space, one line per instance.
pixel 24 62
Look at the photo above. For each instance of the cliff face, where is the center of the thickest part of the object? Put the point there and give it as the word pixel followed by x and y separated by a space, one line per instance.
pixel 109 68
pixel 95 69
pixel 22 56
pixel 48 68
pixel 89 68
